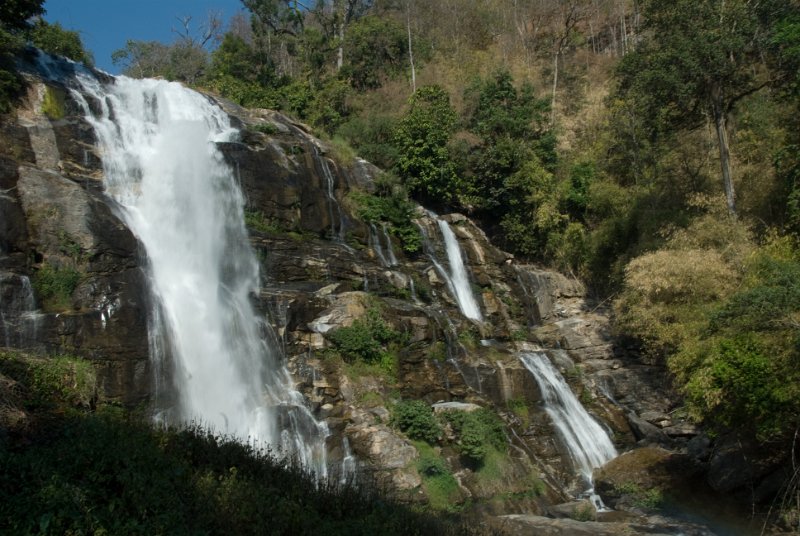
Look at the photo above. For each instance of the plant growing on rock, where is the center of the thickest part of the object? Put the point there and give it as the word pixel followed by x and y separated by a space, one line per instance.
pixel 416 420
pixel 477 431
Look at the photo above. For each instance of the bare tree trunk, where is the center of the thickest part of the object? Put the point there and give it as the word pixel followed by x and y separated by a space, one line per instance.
pixel 340 51
pixel 720 122
pixel 410 49
pixel 555 88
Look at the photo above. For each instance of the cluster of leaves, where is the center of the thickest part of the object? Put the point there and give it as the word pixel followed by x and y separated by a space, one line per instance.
pixel 16 29
pixel 477 432
pixel 390 206
pixel 110 474
pixel 55 285
pixel 416 419
pixel 51 381
pixel 370 340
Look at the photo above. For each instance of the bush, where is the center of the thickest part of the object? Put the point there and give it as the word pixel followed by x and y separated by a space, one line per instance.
pixel 477 432
pixel 54 286
pixel 416 419
pixel 394 209
pixel 365 339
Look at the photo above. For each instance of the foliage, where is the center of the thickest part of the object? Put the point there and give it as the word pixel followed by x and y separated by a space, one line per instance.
pixel 422 136
pixel 394 209
pixel 416 419
pixel 365 339
pixel 52 380
pixel 107 473
pixel 14 22
pixel 54 285
pixel 438 481
pixel 477 432
pixel 258 221
pixel 374 50
pixel 53 103
pixel 183 61
pixel 54 39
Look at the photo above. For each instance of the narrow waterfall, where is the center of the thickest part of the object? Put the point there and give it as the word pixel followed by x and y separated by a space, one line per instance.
pixel 333 203
pixel 389 248
pixel 456 278
pixel 375 244
pixel 458 274
pixel 588 444
pixel 182 201
pixel 19 319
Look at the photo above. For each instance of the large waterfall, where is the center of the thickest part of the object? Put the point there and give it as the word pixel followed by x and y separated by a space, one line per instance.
pixel 176 193
pixel 588 444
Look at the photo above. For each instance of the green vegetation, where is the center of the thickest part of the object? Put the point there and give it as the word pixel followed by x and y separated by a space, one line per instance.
pixel 477 432
pixel 72 470
pixel 440 486
pixel 652 498
pixel 415 418
pixel 53 103
pixel 55 285
pixel 48 382
pixel 258 221
pixel 390 206
pixel 366 339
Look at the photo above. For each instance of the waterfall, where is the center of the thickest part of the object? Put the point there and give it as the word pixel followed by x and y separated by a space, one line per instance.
pixel 587 443
pixel 332 201
pixel 178 196
pixel 19 318
pixel 375 244
pixel 458 274
pixel 389 248
pixel 456 278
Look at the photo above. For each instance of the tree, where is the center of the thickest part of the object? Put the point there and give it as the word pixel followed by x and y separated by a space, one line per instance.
pixel 15 18
pixel 698 60
pixel 421 137
pixel 54 39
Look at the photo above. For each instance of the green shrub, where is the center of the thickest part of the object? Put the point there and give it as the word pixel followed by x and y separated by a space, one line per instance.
pixel 477 432
pixel 54 286
pixel 52 380
pixel 396 211
pixel 258 221
pixel 416 419
pixel 365 339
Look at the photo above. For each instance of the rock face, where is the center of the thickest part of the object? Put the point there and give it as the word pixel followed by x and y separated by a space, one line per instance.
pixel 323 269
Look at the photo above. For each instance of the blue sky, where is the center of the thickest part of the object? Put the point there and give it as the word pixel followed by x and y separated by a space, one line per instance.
pixel 105 25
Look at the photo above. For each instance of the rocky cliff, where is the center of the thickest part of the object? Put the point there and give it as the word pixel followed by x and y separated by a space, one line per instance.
pixel 72 281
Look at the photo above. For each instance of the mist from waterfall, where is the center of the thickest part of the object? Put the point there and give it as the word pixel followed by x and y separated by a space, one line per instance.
pixel 179 197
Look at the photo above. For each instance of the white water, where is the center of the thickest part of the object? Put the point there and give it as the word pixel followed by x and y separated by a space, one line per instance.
pixel 182 201
pixel 389 248
pixel 456 278
pixel 588 444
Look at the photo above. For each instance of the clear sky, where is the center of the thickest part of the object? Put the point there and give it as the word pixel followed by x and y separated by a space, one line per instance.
pixel 105 25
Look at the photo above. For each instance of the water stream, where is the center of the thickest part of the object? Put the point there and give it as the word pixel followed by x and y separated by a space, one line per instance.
pixel 456 277
pixel 588 445
pixel 178 196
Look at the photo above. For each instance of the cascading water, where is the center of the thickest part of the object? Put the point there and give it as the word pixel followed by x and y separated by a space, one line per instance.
pixel 389 248
pixel 458 274
pixel 182 201
pixel 456 278
pixel 588 444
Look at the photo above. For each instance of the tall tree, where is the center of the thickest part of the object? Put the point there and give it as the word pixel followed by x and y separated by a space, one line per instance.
pixel 697 60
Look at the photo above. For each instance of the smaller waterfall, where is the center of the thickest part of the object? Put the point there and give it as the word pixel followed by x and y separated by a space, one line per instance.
pixel 588 444
pixel 19 318
pixel 458 274
pixel 349 462
pixel 389 248
pixel 456 278
pixel 375 244
pixel 333 203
